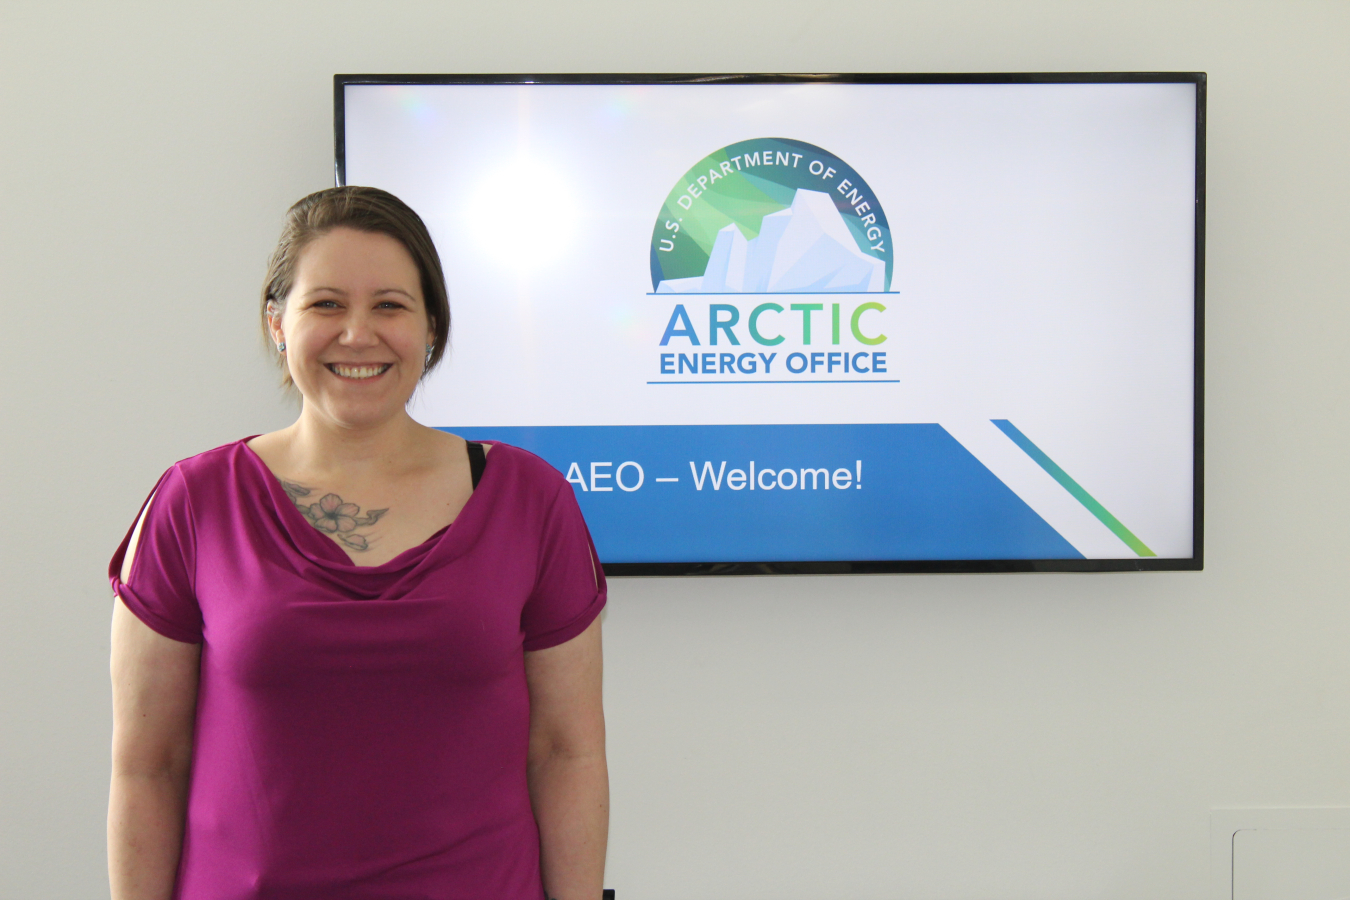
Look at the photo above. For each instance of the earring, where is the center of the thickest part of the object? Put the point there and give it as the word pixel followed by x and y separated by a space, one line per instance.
pixel 281 347
pixel 426 363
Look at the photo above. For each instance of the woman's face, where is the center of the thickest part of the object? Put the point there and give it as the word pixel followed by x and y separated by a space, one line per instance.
pixel 355 326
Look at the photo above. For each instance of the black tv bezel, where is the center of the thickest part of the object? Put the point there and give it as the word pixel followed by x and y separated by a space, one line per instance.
pixel 830 567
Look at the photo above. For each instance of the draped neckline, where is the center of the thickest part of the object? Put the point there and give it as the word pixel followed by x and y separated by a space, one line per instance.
pixel 323 551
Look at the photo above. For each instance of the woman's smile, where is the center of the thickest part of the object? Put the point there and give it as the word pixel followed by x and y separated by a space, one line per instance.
pixel 357 373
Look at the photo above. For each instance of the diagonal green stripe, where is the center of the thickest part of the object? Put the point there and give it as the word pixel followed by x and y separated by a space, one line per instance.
pixel 1073 487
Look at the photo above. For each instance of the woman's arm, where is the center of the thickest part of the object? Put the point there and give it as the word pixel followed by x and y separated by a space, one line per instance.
pixel 569 781
pixel 154 687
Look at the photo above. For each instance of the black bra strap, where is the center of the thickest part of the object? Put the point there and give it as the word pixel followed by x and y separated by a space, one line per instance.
pixel 477 460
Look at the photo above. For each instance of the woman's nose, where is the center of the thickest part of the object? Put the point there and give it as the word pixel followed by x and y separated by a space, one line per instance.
pixel 358 331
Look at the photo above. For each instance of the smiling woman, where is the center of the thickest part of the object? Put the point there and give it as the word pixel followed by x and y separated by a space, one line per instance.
pixel 371 213
pixel 350 657
pixel 356 330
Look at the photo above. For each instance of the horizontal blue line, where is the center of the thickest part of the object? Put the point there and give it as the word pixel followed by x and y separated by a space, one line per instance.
pixel 792 381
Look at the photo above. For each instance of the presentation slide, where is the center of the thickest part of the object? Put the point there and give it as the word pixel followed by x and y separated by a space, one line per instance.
pixel 814 322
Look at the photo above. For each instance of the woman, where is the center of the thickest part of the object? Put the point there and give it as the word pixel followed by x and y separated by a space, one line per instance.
pixel 344 666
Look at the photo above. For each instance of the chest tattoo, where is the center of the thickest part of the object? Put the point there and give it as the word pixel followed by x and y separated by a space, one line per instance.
pixel 333 517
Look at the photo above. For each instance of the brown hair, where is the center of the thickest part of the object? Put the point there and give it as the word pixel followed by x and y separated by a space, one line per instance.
pixel 363 209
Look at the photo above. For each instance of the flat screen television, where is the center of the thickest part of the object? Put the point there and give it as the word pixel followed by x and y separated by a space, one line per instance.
pixel 821 323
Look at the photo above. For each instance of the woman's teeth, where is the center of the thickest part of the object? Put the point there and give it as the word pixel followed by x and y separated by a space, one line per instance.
pixel 357 371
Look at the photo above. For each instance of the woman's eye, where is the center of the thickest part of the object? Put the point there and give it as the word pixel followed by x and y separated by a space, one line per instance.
pixel 325 304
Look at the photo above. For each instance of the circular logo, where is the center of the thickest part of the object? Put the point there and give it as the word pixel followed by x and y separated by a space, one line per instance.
pixel 771 215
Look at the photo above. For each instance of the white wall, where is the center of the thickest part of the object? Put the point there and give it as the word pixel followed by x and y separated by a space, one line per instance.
pixel 871 737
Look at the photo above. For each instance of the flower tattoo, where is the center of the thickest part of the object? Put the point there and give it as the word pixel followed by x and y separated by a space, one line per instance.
pixel 333 517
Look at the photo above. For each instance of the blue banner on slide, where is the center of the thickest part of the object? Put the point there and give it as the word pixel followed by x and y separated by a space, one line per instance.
pixel 783 493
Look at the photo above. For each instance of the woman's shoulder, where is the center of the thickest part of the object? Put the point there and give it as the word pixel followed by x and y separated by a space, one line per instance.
pixel 212 461
pixel 524 465
pixel 211 468
pixel 187 490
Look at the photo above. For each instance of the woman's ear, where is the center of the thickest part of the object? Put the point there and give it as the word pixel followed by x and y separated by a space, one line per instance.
pixel 274 312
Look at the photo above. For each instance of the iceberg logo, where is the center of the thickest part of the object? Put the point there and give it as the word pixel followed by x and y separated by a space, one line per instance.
pixel 771 215
pixel 804 248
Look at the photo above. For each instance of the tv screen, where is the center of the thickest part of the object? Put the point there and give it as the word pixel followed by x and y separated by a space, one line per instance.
pixel 820 323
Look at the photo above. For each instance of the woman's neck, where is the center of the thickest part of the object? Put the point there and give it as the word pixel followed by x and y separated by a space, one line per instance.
pixel 316 445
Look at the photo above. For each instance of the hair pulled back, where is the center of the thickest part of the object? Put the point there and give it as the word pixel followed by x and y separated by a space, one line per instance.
pixel 362 209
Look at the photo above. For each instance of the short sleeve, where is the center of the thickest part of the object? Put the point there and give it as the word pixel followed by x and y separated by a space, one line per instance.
pixel 160 588
pixel 570 589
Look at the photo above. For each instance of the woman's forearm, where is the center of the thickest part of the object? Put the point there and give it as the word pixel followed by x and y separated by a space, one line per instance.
pixel 570 795
pixel 145 834
pixel 154 693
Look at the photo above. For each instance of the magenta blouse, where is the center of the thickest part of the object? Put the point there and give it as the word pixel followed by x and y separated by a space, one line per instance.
pixel 361 732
